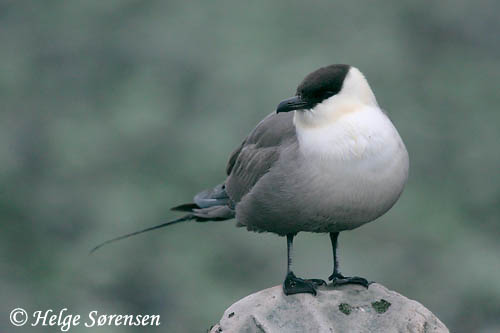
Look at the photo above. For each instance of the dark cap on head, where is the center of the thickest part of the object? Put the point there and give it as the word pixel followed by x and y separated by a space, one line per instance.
pixel 316 87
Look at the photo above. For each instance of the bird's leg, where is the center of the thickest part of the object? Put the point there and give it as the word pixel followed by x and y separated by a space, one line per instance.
pixel 292 284
pixel 337 278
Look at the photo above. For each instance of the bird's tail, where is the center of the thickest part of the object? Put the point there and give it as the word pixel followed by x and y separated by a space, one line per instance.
pixel 209 205
pixel 184 218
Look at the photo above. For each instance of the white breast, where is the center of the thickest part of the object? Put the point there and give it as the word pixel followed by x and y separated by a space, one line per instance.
pixel 355 161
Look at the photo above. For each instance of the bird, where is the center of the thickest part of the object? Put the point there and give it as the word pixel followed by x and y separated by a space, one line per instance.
pixel 327 160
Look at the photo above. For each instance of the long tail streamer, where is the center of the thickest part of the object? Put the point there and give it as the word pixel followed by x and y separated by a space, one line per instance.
pixel 181 219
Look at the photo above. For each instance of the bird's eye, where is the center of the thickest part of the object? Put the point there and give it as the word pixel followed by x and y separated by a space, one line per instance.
pixel 327 94
pixel 321 95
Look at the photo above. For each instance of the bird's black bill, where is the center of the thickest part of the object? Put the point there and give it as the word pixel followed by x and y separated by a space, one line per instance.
pixel 293 103
pixel 181 219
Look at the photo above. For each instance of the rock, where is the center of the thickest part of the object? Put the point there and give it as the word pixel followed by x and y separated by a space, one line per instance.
pixel 349 308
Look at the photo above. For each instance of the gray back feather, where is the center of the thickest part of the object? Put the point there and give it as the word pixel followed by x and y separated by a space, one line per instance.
pixel 258 152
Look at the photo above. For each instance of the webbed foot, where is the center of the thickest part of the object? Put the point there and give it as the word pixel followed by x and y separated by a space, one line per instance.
pixel 294 285
pixel 338 280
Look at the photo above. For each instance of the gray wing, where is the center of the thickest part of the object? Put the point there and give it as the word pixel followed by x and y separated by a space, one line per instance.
pixel 247 164
pixel 258 152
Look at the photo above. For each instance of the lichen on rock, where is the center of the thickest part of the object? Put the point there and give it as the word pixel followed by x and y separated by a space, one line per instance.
pixel 345 308
pixel 381 306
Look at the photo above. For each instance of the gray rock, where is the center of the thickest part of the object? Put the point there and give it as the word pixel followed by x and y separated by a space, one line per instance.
pixel 347 308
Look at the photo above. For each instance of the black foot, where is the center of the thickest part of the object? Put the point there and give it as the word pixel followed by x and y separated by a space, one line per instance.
pixel 338 280
pixel 295 285
pixel 317 282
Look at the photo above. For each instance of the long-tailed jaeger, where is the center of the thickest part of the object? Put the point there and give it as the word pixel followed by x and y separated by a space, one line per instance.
pixel 328 160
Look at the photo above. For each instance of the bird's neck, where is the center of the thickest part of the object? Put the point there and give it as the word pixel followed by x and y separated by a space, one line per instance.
pixel 346 133
pixel 330 111
pixel 356 87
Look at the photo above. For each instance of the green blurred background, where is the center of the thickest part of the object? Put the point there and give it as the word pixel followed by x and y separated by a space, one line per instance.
pixel 114 111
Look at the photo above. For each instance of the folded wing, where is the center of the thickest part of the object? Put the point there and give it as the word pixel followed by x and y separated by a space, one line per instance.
pixel 258 153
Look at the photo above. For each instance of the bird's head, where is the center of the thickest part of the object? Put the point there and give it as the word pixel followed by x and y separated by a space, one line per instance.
pixel 323 91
